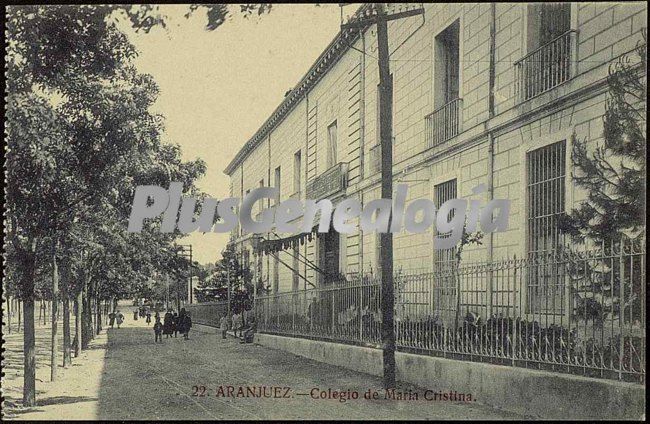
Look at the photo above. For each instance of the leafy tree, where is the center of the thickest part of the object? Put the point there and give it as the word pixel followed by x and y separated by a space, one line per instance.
pixel 79 138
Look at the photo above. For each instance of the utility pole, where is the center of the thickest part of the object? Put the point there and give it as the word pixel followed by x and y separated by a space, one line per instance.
pixel 228 277
pixel 186 252
pixel 376 14
pixel 386 239
pixel 191 297
pixel 167 296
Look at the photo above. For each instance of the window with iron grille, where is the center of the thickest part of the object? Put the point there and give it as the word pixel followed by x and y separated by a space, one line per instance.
pixel 443 192
pixel 546 173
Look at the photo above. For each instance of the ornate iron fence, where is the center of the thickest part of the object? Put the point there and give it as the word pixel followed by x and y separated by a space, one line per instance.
pixel 483 312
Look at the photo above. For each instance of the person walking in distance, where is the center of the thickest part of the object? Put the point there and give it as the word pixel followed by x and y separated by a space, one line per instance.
pixel 119 318
pixel 148 320
pixel 223 325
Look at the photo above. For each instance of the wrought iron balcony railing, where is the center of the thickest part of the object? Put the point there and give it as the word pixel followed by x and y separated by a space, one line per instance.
pixel 330 182
pixel 443 123
pixel 549 66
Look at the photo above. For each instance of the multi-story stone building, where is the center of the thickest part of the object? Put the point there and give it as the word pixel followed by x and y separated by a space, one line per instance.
pixel 483 94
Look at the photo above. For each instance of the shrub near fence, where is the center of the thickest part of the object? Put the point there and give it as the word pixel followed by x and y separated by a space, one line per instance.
pixel 580 313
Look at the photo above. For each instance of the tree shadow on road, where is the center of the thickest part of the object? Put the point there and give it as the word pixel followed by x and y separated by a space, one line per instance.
pixel 125 346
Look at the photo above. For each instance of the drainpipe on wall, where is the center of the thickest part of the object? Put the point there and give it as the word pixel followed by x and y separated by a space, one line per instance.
pixel 362 138
pixel 306 172
pixel 491 112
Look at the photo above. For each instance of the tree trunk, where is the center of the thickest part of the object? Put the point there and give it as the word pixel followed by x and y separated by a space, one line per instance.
pixel 98 319
pixel 86 320
pixel 9 311
pixel 78 303
pixel 67 359
pixel 29 347
pixel 29 339
pixel 19 304
pixel 53 314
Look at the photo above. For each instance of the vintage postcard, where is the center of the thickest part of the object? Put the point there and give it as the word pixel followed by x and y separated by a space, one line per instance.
pixel 352 211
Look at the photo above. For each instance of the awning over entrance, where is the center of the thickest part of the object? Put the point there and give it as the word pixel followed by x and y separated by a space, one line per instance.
pixel 276 245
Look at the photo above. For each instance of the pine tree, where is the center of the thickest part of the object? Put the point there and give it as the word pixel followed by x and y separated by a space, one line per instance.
pixel 613 174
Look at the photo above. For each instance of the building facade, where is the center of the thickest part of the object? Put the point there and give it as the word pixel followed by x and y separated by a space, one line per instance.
pixel 484 93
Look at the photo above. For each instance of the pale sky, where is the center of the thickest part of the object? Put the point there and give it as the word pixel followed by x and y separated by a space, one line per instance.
pixel 218 87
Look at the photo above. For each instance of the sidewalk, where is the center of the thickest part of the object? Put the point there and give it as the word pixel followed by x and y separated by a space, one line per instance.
pixel 73 396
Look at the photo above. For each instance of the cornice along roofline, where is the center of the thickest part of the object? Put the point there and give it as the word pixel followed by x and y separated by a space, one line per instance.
pixel 329 57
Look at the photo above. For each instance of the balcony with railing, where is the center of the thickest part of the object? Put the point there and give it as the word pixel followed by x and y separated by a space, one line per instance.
pixel 330 182
pixel 546 67
pixel 443 123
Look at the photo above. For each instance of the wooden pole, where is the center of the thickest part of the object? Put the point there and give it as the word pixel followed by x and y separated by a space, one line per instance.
pixel 386 239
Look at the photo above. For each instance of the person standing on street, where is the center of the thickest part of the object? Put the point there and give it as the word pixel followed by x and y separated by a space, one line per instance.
pixel 167 324
pixel 223 325
pixel 180 322
pixel 235 323
pixel 119 318
pixel 135 315
pixel 186 323
pixel 175 324
pixel 148 320
pixel 158 329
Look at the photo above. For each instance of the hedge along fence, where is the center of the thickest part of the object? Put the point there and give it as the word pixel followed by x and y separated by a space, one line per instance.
pixel 574 312
pixel 208 313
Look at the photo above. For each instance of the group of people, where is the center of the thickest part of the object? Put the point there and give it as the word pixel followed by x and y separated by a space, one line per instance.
pixel 172 324
pixel 143 312
pixel 246 331
pixel 114 317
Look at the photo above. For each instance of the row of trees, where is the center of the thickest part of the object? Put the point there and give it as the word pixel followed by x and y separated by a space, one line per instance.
pixel 80 138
